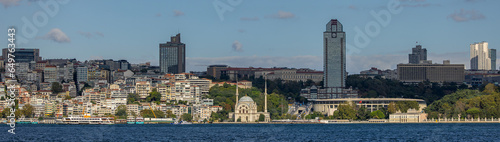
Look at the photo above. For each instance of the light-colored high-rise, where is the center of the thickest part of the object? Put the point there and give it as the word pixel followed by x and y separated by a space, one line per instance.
pixel 479 56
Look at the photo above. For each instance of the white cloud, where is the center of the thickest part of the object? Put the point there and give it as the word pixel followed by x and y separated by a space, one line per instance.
pixel 237 46
pixel 56 35
pixel 178 13
pixel 466 15
pixel 8 3
pixel 283 15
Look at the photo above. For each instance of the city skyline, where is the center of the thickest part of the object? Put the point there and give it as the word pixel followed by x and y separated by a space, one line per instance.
pixel 247 37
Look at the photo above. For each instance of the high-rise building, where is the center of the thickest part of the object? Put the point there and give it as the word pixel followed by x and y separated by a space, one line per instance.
pixel 493 57
pixel 173 56
pixel 81 74
pixel 22 55
pixel 334 60
pixel 418 54
pixel 479 56
pixel 334 55
pixel 446 72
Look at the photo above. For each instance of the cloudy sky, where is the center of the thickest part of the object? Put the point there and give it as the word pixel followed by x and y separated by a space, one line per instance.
pixel 258 33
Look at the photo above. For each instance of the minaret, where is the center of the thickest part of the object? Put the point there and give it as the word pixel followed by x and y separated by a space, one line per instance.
pixel 265 92
pixel 236 95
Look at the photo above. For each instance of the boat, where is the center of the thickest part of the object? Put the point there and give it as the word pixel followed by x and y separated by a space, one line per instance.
pixel 88 120
pixel 27 121
pixel 130 120
pixel 181 122
pixel 139 120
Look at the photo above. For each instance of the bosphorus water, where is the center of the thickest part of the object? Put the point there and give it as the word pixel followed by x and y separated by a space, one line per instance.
pixel 255 132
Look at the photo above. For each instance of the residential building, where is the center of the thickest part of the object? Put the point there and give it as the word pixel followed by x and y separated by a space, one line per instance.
pixel 81 74
pixel 173 56
pixel 142 89
pixel 50 73
pixel 493 56
pixel 292 75
pixel 480 57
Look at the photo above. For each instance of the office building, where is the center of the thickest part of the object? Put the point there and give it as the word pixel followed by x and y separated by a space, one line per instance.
pixel 81 74
pixel 334 55
pixel 446 72
pixel 480 57
pixel 215 70
pixel 334 64
pixel 417 55
pixel 22 55
pixel 173 56
pixel 493 56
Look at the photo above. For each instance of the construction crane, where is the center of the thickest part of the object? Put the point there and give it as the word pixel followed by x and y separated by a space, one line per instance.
pixel 151 109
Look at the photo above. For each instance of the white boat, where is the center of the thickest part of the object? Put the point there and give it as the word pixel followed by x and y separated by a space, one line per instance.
pixel 88 120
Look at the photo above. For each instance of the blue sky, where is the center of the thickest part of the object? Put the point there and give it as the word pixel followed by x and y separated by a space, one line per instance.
pixel 256 33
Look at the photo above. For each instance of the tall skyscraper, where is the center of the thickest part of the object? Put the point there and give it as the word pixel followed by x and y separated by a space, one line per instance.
pixel 334 55
pixel 493 57
pixel 479 56
pixel 173 56
pixel 418 54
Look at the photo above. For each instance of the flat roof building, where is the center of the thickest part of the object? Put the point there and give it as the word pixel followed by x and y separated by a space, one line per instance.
pixel 433 72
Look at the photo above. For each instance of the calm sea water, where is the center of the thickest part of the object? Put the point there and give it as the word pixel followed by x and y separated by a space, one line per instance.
pixel 255 132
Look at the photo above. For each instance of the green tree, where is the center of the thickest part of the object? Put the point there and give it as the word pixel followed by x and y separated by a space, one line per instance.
pixel 391 108
pixel 170 114
pixel 132 97
pixel 473 112
pixel 28 110
pixel 186 117
pixel 146 113
pixel 153 96
pixel 121 111
pixel 377 114
pixel 56 88
pixel 345 111
pixel 362 113
pixel 262 117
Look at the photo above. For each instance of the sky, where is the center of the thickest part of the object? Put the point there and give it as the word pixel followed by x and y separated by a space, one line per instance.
pixel 257 33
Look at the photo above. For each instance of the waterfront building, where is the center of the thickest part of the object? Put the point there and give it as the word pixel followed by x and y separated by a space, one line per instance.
pixel 246 109
pixel 418 54
pixel 328 106
pixel 440 73
pixel 409 117
pixel 173 56
pixel 480 57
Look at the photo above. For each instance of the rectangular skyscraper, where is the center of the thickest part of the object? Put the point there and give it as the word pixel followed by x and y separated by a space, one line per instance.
pixel 493 57
pixel 479 56
pixel 173 56
pixel 334 55
pixel 418 54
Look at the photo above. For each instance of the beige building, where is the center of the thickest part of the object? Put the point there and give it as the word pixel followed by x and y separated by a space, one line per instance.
pixel 328 106
pixel 413 117
pixel 246 111
pixel 142 89
pixel 433 72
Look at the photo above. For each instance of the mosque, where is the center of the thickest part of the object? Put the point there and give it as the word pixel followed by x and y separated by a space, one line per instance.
pixel 246 109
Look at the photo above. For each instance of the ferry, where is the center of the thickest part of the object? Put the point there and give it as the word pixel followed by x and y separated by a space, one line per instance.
pixel 139 120
pixel 130 120
pixel 88 120
pixel 27 121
